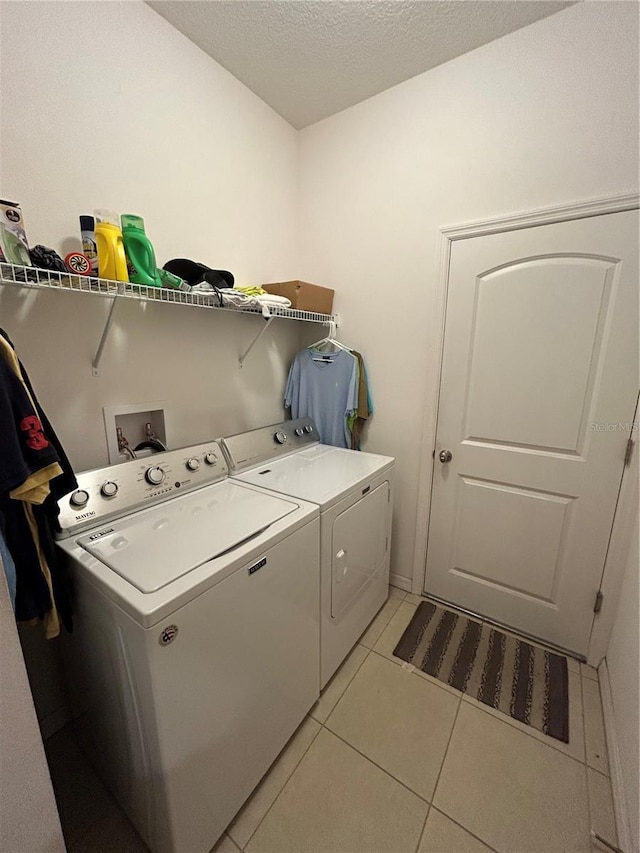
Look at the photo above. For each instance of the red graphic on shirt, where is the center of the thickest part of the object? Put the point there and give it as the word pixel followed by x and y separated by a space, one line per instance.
pixel 36 439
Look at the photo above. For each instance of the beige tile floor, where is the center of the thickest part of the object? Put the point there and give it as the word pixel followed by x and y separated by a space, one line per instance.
pixel 391 760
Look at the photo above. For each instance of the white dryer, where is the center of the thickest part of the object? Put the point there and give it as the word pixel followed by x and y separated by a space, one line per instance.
pixel 195 654
pixel 355 494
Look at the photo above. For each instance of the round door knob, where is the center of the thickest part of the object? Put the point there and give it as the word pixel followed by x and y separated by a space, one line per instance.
pixel 210 458
pixel 280 437
pixel 79 498
pixel 109 489
pixel 445 456
pixel 154 475
pixel 193 464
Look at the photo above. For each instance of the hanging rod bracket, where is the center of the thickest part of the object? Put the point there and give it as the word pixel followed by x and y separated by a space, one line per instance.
pixel 95 364
pixel 244 355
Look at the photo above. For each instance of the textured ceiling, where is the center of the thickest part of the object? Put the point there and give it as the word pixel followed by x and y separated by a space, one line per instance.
pixel 309 59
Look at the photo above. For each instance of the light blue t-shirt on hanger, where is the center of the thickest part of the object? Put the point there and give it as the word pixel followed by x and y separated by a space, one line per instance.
pixel 324 386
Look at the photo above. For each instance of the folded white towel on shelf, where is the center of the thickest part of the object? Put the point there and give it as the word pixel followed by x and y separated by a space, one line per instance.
pixel 273 300
pixel 233 298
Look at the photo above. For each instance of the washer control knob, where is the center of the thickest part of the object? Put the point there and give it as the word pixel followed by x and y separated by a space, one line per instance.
pixel 193 464
pixel 79 498
pixel 154 475
pixel 210 458
pixel 308 428
pixel 299 431
pixel 280 437
pixel 109 489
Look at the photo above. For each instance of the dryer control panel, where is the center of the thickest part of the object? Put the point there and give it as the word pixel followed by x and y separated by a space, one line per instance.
pixel 117 490
pixel 247 449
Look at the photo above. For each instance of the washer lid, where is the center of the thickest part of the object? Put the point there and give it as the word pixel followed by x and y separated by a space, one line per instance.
pixel 152 548
pixel 318 474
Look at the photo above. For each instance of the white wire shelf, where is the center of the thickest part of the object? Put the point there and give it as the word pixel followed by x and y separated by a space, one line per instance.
pixel 32 277
pixel 51 280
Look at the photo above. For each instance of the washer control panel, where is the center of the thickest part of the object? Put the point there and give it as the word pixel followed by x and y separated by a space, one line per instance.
pixel 251 448
pixel 120 489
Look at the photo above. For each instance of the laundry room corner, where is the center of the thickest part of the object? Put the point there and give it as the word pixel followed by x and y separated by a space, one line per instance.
pixel 319 389
pixel 165 130
pixel 453 146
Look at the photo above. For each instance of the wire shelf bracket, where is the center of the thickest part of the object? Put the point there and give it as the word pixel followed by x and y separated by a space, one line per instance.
pixel 39 279
pixel 95 364
pixel 269 321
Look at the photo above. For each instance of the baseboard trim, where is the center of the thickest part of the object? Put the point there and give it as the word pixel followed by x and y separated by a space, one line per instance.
pixel 615 768
pixel 53 722
pixel 400 581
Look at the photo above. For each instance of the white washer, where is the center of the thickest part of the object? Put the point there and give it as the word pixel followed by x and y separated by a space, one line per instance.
pixel 195 654
pixel 355 493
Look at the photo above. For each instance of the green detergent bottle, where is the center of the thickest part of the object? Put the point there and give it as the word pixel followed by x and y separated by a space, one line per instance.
pixel 141 259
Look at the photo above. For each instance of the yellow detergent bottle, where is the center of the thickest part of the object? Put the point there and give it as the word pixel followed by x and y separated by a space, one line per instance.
pixel 112 261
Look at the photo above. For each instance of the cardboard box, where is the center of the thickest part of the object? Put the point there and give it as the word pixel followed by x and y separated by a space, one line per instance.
pixel 303 296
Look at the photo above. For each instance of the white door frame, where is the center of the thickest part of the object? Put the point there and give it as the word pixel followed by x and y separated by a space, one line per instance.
pixel 480 228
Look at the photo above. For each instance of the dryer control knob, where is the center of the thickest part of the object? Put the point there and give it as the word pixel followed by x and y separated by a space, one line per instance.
pixel 193 464
pixel 79 498
pixel 109 489
pixel 154 475
pixel 308 428
pixel 299 431
pixel 210 458
pixel 280 437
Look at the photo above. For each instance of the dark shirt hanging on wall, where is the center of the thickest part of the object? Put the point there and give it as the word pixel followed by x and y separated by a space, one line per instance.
pixel 26 454
pixel 34 474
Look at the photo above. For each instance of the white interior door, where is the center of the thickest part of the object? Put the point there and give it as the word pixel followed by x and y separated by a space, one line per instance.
pixel 539 380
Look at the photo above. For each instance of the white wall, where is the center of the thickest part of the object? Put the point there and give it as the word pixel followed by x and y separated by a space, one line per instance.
pixel 544 116
pixel 623 664
pixel 28 814
pixel 106 105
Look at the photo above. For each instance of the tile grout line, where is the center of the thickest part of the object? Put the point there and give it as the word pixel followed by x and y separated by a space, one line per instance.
pixel 312 741
pixel 507 722
pixel 451 691
pixel 322 726
pixel 468 831
pixel 434 682
pixel 371 761
pixel 308 716
pixel 424 826
pixel 340 698
pixel 435 787
pixel 608 760
pixel 404 593
pixel 599 772
pixel 584 722
pixel 586 765
pixel 504 718
pixel 590 821
pixel 385 626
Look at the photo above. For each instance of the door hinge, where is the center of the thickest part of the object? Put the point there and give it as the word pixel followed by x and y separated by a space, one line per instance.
pixel 386 545
pixel 597 606
pixel 629 452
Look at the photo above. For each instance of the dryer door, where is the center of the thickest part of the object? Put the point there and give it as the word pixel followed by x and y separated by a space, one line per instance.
pixel 359 546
